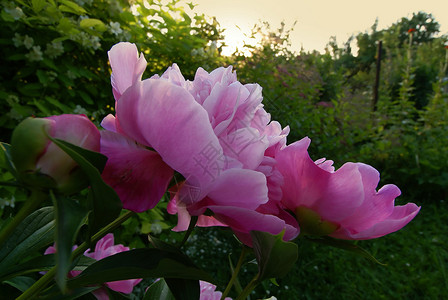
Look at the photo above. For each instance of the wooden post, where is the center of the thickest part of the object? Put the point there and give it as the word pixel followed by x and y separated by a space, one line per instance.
pixel 377 77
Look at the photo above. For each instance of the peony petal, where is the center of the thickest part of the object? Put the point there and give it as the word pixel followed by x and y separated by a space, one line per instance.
pixel 127 67
pixel 240 188
pixel 242 221
pixel 399 218
pixel 109 123
pixel 138 175
pixel 164 116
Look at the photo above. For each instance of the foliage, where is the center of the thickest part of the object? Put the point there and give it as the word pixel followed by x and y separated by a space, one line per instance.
pixel 53 52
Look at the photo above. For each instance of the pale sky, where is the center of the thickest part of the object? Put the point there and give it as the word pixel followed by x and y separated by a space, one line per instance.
pixel 317 20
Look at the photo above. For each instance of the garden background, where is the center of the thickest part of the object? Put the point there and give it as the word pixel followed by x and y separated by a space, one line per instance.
pixel 54 60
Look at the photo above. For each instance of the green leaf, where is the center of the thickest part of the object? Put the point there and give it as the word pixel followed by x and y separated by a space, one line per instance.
pixel 184 289
pixel 275 257
pixel 70 216
pixel 159 290
pixel 6 159
pixel 345 245
pixel 21 283
pixel 71 7
pixel 139 263
pixel 36 231
pixel 55 294
pixel 95 23
pixel 42 263
pixel 38 5
pixel 105 202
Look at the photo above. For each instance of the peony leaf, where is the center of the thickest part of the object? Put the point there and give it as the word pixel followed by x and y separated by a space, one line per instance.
pixel 6 159
pixel 105 204
pixel 139 263
pixel 345 245
pixel 70 216
pixel 33 233
pixel 275 257
pixel 42 263
pixel 159 290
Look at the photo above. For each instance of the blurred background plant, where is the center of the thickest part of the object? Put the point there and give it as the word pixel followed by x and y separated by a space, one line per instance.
pixel 54 60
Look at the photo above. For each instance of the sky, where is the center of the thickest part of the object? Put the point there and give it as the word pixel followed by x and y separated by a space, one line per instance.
pixel 316 20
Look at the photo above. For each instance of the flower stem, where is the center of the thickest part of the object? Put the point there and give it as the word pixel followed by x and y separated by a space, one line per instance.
pixel 248 289
pixel 30 205
pixel 193 221
pixel 244 252
pixel 48 277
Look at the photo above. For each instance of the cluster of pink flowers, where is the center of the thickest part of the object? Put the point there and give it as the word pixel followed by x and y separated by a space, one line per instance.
pixel 238 170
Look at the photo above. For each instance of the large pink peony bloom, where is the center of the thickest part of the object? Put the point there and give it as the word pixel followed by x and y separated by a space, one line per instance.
pixel 211 130
pixel 344 203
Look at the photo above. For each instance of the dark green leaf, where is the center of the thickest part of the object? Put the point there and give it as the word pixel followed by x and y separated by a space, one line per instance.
pixel 70 216
pixel 21 283
pixel 35 232
pixel 139 263
pixel 159 290
pixel 6 160
pixel 345 245
pixel 184 289
pixel 275 257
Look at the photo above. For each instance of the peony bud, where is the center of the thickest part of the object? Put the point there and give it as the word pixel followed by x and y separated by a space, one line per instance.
pixel 43 164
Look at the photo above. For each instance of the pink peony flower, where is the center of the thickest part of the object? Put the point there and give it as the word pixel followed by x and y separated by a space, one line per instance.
pixel 208 292
pixel 211 130
pixel 343 204
pixel 105 247
pixel 33 152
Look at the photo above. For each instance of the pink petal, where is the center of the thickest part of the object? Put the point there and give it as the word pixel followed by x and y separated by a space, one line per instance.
pixel 399 218
pixel 123 286
pixel 242 221
pixel 240 188
pixel 334 196
pixel 127 67
pixel 138 175
pixel 166 117
pixel 108 123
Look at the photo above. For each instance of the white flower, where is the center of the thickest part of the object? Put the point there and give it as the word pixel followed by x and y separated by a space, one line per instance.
pixel 96 42
pixel 15 12
pixel 115 28
pixel 28 42
pixel 54 49
pixel 35 54
pixel 17 40
pixel 80 110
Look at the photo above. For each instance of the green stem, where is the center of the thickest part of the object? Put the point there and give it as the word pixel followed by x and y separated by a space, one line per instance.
pixel 193 221
pixel 49 276
pixel 244 252
pixel 30 205
pixel 248 289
